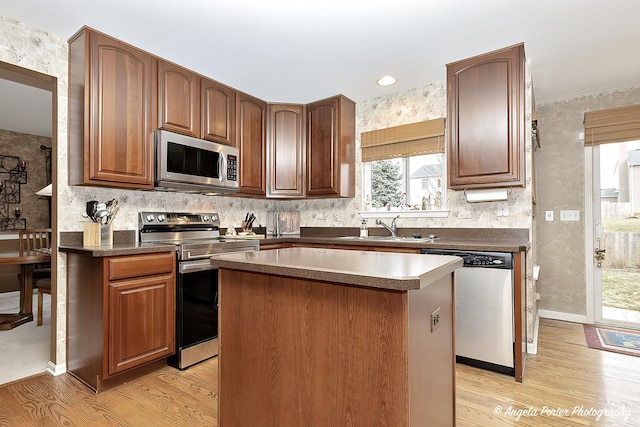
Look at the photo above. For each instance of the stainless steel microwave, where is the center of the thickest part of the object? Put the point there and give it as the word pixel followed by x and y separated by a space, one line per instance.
pixel 194 165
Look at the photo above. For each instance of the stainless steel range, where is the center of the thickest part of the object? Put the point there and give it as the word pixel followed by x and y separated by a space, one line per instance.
pixel 196 237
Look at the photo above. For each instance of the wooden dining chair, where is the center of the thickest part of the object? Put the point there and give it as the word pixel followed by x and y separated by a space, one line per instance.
pixel 32 242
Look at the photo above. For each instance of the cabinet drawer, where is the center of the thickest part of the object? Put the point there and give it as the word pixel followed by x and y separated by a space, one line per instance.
pixel 124 267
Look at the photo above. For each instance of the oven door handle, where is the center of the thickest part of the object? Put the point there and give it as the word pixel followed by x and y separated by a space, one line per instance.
pixel 193 266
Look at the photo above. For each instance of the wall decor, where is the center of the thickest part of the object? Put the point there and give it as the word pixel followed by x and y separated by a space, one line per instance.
pixel 13 173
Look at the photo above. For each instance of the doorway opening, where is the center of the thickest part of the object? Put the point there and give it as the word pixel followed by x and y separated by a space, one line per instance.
pixel 28 113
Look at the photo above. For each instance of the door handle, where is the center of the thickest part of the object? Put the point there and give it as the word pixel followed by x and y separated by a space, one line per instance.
pixel 599 256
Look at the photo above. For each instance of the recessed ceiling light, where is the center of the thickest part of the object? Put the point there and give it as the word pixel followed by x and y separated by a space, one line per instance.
pixel 387 80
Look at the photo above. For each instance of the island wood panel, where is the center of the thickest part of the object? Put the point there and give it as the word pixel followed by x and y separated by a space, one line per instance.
pixel 310 353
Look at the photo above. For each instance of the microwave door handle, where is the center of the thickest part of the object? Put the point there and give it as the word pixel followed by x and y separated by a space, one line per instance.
pixel 222 167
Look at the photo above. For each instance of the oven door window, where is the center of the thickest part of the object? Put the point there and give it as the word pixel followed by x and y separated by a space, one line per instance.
pixel 197 307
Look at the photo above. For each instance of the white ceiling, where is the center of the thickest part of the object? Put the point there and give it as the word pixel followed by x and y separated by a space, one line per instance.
pixel 300 51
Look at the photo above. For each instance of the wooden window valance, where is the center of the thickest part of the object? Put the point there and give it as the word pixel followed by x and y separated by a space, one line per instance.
pixel 414 139
pixel 612 125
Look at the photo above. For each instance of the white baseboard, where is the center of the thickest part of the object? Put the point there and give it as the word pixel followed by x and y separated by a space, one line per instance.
pixel 56 370
pixel 532 347
pixel 559 315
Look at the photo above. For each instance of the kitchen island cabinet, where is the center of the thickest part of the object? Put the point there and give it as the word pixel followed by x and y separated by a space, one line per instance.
pixel 514 241
pixel 331 337
pixel 121 315
pixel 112 112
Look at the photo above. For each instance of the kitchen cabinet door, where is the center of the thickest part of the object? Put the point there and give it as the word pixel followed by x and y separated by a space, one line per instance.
pixel 486 120
pixel 141 321
pixel 218 112
pixel 250 136
pixel 112 111
pixel 178 99
pixel 285 151
pixel 331 148
pixel 120 315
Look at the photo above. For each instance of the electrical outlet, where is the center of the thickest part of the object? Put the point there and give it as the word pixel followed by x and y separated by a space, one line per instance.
pixel 548 215
pixel 464 215
pixel 503 209
pixel 435 319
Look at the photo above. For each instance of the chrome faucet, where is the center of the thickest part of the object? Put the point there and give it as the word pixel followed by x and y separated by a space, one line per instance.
pixel 393 229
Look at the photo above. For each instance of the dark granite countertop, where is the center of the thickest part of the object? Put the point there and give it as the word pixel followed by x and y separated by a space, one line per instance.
pixel 117 249
pixel 124 243
pixel 476 239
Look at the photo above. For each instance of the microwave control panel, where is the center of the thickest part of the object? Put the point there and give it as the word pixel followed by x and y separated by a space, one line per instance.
pixel 232 167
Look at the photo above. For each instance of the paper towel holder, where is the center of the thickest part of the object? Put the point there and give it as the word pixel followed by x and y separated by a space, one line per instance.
pixel 486 195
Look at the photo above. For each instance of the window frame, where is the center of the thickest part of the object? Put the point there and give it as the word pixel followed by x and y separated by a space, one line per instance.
pixel 370 212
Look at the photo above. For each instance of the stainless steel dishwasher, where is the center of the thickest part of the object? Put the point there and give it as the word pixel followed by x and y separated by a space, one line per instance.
pixel 484 319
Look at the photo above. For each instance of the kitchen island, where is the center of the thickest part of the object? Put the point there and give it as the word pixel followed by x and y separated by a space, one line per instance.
pixel 312 336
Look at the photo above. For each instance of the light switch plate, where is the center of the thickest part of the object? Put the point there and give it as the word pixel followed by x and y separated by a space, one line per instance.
pixel 572 215
pixel 548 215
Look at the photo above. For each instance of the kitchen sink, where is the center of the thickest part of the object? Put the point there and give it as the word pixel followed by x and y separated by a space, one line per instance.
pixel 407 239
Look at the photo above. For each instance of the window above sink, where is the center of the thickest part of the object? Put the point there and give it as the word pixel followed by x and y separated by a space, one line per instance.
pixel 404 171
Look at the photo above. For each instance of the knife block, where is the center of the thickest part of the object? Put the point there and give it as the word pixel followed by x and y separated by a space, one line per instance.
pixel 96 234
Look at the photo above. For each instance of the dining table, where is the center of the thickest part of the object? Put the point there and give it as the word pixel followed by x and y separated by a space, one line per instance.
pixel 26 262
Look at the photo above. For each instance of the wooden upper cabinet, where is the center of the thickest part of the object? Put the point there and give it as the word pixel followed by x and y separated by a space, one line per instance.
pixel 218 103
pixel 178 99
pixel 285 150
pixel 486 120
pixel 250 136
pixel 112 111
pixel 331 148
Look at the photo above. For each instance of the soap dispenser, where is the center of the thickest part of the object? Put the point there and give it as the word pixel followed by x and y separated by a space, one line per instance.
pixel 364 232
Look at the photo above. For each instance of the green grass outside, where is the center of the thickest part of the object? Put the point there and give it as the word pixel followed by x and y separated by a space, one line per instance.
pixel 621 288
pixel 627 225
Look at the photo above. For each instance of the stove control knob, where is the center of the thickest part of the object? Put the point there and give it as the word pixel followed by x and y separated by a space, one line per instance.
pixel 150 218
pixel 161 217
pixel 205 218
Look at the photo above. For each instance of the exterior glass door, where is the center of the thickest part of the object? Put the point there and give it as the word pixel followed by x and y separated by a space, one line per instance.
pixel 616 233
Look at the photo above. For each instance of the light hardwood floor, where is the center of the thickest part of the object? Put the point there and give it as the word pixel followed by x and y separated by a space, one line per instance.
pixel 565 374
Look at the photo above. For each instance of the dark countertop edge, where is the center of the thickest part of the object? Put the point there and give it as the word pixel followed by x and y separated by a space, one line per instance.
pixel 478 239
pixel 117 249
pixel 341 277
